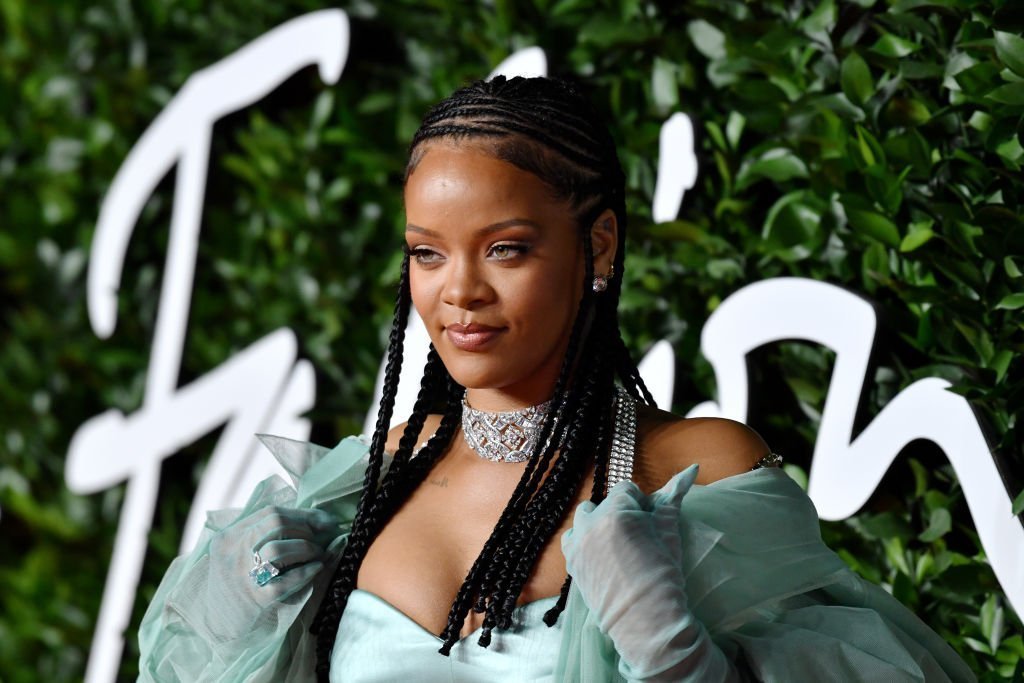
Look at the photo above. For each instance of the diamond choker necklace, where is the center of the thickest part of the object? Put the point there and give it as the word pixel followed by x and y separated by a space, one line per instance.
pixel 508 436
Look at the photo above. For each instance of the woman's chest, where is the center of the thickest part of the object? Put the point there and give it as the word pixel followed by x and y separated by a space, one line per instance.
pixel 421 557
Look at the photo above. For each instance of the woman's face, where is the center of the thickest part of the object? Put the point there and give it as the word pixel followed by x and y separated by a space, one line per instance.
pixel 495 272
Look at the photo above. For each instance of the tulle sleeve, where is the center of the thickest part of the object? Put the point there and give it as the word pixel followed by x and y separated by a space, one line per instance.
pixel 207 622
pixel 774 598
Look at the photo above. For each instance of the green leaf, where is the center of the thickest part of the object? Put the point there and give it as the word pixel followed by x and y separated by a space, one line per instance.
pixel 874 266
pixel 934 500
pixel 716 135
pixel 376 102
pixel 955 63
pixel 870 151
pixel 925 566
pixel 979 339
pixel 967 233
pixel 838 103
pixel 1011 93
pixel 567 7
pixel 874 225
pixel 890 45
pixel 734 128
pixel 322 109
pixel 664 86
pixel 885 525
pixel 908 111
pixel 978 79
pixel 992 621
pixel 1010 149
pixel 980 121
pixel 894 552
pixel 918 235
pixel 939 524
pixel 1018 503
pixel 903 589
pixel 727 269
pixel 793 225
pixel 885 190
pixel 677 230
pixel 797 474
pixel 1011 302
pixel 1011 267
pixel 977 645
pixel 708 40
pixel 910 5
pixel 1010 50
pixel 1001 363
pixel 920 477
pixel 855 78
pixel 778 164
pixel 819 23
pixel 603 31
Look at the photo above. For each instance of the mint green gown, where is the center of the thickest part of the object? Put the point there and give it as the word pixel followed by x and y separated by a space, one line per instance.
pixel 769 592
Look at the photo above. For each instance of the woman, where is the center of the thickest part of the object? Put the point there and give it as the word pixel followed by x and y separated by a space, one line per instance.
pixel 514 253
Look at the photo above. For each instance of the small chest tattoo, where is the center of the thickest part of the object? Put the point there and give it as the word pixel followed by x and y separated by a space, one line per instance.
pixel 441 483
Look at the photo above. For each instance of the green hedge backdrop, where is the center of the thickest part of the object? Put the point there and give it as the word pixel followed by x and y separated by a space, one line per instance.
pixel 892 168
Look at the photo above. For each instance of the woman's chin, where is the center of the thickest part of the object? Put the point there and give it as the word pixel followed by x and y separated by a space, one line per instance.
pixel 477 378
pixel 477 371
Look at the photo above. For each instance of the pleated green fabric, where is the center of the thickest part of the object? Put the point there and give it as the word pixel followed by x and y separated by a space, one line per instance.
pixel 775 599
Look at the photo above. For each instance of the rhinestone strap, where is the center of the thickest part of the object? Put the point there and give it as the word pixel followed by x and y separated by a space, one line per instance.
pixel 770 460
pixel 620 461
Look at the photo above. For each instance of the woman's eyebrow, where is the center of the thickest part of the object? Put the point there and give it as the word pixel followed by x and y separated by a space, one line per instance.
pixel 487 229
pixel 500 225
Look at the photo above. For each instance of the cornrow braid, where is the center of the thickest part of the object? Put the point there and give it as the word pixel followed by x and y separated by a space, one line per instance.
pixel 547 128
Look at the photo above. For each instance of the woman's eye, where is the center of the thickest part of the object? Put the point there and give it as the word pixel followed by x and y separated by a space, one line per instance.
pixel 504 252
pixel 424 256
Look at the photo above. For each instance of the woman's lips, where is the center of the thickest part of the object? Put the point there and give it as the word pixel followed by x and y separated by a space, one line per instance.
pixel 472 336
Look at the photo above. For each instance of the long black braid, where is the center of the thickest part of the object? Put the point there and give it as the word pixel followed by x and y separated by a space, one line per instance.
pixel 545 127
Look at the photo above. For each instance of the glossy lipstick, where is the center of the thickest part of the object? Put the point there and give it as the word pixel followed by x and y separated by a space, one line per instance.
pixel 471 336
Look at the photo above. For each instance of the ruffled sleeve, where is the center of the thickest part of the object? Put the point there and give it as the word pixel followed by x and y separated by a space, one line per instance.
pixel 204 624
pixel 774 598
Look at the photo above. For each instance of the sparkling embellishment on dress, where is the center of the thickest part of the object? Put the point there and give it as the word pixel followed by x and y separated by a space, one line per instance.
pixel 508 436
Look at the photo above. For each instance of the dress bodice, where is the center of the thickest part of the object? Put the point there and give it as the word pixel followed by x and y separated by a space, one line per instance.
pixel 376 642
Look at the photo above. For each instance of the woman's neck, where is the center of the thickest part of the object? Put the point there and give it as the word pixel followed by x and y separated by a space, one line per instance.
pixel 504 399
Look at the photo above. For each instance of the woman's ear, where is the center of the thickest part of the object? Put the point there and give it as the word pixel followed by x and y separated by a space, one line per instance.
pixel 604 239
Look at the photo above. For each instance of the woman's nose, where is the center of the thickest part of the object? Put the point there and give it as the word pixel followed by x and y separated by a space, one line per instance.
pixel 465 285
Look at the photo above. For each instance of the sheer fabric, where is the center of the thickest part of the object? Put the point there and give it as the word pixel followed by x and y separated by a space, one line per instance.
pixel 772 597
pixel 778 603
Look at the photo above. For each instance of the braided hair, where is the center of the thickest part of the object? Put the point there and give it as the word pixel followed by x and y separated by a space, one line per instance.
pixel 548 128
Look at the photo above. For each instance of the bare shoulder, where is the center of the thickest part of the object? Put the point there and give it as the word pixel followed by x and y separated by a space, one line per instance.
pixel 668 444
pixel 396 432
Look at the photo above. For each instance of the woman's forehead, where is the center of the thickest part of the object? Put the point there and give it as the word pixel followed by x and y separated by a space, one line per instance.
pixel 459 177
